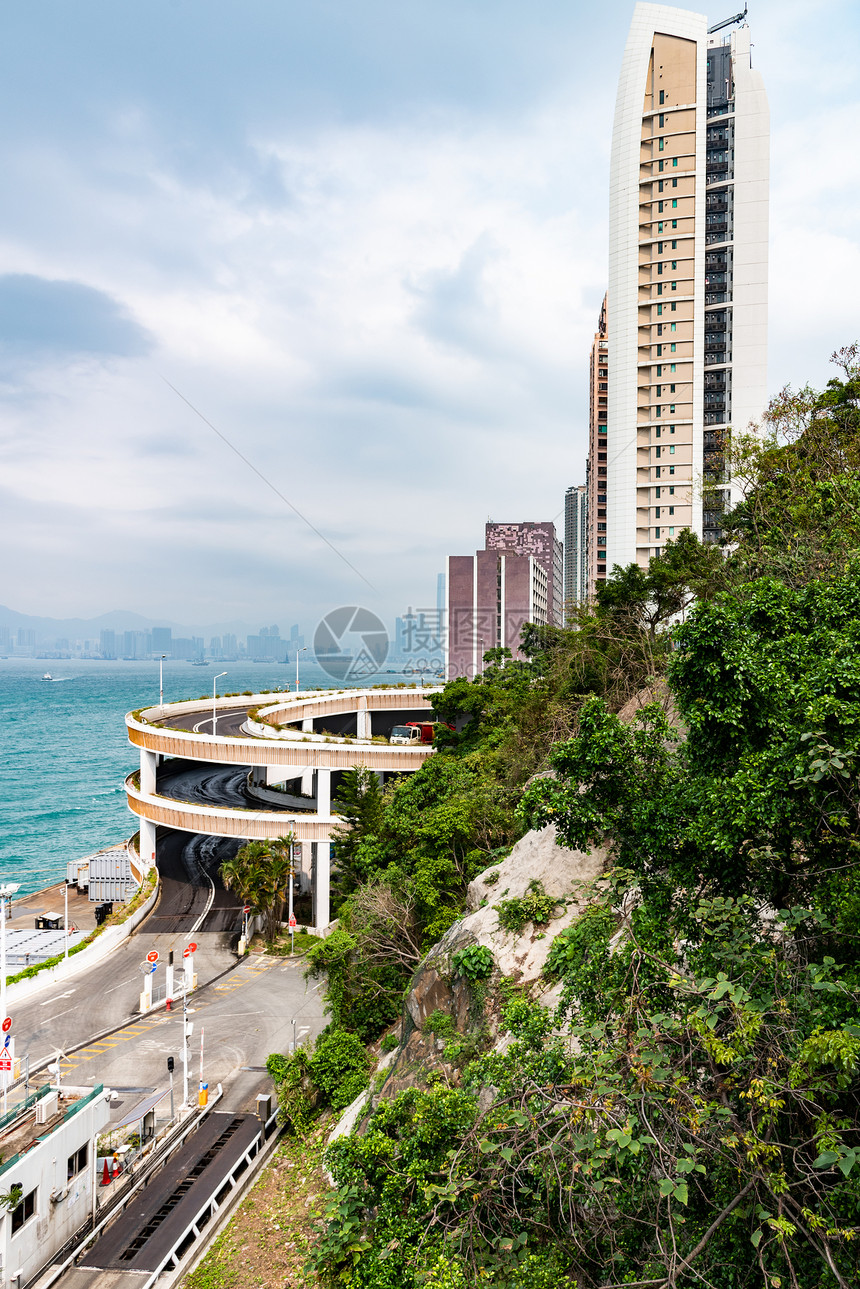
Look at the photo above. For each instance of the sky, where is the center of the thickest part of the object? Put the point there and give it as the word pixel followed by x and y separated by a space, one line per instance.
pixel 258 255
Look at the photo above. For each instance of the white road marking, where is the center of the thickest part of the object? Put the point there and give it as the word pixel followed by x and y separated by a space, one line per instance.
pixel 58 997
pixel 48 1019
pixel 124 982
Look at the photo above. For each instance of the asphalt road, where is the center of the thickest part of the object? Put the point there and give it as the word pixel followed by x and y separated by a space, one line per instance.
pixel 65 1014
pixel 200 782
pixel 228 721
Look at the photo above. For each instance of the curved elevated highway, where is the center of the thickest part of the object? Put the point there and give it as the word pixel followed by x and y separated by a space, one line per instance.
pixel 267 768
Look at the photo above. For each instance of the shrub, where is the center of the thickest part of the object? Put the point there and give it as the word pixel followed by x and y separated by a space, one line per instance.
pixel 475 963
pixel 535 906
pixel 389 1042
pixel 439 1024
pixel 339 1067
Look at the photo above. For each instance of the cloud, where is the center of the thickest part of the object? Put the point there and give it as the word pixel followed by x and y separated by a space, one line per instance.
pixel 39 316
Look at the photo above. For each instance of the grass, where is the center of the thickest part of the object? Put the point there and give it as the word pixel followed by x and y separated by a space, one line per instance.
pixel 270 1234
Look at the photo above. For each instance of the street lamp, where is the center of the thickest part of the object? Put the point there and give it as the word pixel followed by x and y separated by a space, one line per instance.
pixel 214 689
pixel 7 890
pixel 161 686
pixel 298 651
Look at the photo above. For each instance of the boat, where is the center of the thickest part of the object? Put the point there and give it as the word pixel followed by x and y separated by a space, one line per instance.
pixel 200 662
pixel 47 676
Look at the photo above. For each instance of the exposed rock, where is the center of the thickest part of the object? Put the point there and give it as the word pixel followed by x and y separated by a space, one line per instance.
pixel 656 691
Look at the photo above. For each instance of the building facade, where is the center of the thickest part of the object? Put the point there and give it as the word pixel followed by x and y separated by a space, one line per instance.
pixel 539 542
pixel 687 276
pixel 596 474
pixel 575 546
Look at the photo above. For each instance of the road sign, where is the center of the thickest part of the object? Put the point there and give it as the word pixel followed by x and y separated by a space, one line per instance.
pixel 147 968
pixel 5 1061
pixel 7 1024
pixel 152 956
pixel 246 910
pixel 292 920
pixel 192 947
pixel 188 953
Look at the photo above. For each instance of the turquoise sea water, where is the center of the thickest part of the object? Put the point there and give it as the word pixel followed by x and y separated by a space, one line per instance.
pixel 64 753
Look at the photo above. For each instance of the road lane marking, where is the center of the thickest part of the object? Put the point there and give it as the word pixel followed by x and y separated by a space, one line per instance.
pixel 119 986
pixel 57 997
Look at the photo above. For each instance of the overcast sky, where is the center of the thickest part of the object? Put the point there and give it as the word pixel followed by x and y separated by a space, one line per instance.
pixel 368 242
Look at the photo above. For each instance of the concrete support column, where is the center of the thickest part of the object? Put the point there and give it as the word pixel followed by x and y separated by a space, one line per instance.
pixel 322 886
pixel 323 794
pixel 307 782
pixel 362 720
pixel 148 763
pixel 308 725
pixel 147 843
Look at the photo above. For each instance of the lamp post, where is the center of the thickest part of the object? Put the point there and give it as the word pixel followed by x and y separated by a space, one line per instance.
pixel 161 685
pixel 298 651
pixel 214 689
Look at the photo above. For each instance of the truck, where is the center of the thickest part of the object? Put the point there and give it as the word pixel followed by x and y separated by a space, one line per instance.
pixel 416 732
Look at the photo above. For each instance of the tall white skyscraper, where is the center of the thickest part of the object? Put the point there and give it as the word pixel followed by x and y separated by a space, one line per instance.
pixel 687 295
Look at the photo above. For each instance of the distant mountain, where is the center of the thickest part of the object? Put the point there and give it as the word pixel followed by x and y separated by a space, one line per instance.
pixel 121 620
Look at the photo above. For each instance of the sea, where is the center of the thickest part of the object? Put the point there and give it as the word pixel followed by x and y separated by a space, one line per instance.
pixel 64 753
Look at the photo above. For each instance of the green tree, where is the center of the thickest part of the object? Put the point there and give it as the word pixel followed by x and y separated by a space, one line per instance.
pixel 259 873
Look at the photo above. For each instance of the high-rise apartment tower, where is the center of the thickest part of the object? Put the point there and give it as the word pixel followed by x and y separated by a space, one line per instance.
pixel 597 469
pixel 687 275
pixel 575 546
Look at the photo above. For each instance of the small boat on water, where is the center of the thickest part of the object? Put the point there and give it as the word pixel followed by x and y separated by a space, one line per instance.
pixel 47 676
pixel 200 662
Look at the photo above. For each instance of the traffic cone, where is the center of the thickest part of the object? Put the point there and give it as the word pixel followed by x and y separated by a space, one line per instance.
pixel 106 1175
pixel 115 1166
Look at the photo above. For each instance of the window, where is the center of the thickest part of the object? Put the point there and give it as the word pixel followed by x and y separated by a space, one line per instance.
pixel 77 1162
pixel 659 248
pixel 656 512
pixel 659 207
pixel 671 510
pixel 674 244
pixel 659 431
pixel 674 163
pixel 672 407
pixel 659 324
pixel 671 429
pixel 657 472
pixel 659 352
pixel 672 491
pixel 659 409
pixel 672 449
pixel 659 268
pixel 671 469
pixel 674 307
pixel 662 120
pixel 662 97
pixel 671 391
pixel 24 1211
pixel 671 532
pixel 659 367
pixel 659 390
pixel 656 532
pixel 673 326
pixel 659 311
pixel 674 286
pixel 659 228
pixel 674 264
pixel 659 453
pixel 660 183
pixel 674 223
pixel 660 285
pixel 673 347
pixel 672 367
pixel 674 202
pixel 658 492
pixel 674 183
pixel 660 163
pixel 660 146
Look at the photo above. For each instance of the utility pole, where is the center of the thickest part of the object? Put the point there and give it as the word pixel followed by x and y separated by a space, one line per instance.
pixel 185 1030
pixel 170 1065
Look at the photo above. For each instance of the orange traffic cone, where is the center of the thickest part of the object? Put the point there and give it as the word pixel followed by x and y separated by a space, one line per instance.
pixel 106 1175
pixel 115 1166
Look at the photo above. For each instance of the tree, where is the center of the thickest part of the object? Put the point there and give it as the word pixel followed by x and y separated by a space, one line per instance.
pixel 259 873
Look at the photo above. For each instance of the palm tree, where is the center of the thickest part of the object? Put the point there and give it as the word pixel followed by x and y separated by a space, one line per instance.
pixel 259 874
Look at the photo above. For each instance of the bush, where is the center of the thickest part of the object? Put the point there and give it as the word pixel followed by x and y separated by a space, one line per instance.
pixel 535 906
pixel 389 1042
pixel 475 963
pixel 339 1067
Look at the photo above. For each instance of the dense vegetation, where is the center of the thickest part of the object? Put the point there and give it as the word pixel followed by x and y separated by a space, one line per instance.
pixel 690 1114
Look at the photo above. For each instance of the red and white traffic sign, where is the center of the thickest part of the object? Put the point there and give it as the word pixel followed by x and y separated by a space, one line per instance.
pixel 5 1060
pixel 192 947
pixel 188 953
pixel 152 956
pixel 292 920
pixel 7 1024
pixel 246 910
